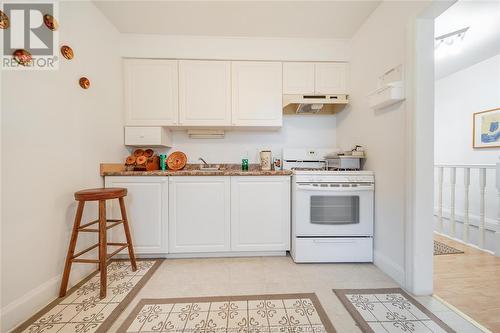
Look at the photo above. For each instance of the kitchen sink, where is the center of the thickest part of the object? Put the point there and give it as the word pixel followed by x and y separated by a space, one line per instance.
pixel 210 168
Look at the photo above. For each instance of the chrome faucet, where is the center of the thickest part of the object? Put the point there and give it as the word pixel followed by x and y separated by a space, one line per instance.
pixel 204 162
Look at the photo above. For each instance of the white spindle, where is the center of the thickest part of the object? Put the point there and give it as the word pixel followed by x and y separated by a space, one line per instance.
pixel 440 199
pixel 482 190
pixel 453 178
pixel 466 204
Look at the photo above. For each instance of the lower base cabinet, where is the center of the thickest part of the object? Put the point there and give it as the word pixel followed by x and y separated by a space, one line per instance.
pixel 204 214
pixel 147 207
pixel 260 213
pixel 199 214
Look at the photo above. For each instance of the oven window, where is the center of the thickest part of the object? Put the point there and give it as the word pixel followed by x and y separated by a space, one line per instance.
pixel 334 209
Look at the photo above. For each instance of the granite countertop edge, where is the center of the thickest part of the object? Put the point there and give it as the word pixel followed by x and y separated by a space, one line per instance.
pixel 200 173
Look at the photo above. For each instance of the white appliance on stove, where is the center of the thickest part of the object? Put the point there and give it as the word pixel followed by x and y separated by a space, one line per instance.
pixel 332 210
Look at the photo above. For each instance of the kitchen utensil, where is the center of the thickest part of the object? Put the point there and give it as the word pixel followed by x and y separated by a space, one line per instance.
pixel 149 152
pixel 153 163
pixel 50 22
pixel 4 20
pixel 177 160
pixel 130 160
pixel 22 57
pixel 265 160
pixel 138 152
pixel 84 82
pixel 67 52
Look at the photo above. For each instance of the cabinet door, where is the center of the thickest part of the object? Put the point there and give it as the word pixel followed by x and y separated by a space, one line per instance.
pixel 151 92
pixel 298 78
pixel 205 92
pixel 331 78
pixel 199 210
pixel 260 213
pixel 147 206
pixel 257 93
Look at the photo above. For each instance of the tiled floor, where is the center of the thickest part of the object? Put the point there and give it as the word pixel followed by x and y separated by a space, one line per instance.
pixel 276 275
pixel 470 282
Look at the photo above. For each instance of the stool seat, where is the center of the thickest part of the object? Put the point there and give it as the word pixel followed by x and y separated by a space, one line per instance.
pixel 95 194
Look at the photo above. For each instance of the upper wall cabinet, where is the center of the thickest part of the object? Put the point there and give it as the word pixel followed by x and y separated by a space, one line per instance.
pixel 314 78
pixel 151 92
pixel 330 78
pixel 204 93
pixel 257 93
pixel 298 78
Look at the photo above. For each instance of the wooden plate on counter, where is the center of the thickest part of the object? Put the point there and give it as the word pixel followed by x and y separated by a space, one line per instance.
pixel 177 160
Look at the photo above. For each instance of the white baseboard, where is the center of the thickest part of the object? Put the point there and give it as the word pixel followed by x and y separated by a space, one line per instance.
pixel 389 267
pixel 21 309
pixel 474 220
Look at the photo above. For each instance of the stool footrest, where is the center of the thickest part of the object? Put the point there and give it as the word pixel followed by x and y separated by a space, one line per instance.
pixel 113 223
pixel 122 246
pixel 85 251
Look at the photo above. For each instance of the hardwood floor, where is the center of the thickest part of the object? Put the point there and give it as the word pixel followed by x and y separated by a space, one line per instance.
pixel 470 282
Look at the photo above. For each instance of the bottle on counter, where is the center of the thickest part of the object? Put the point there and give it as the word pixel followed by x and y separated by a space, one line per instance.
pixel 163 162
pixel 244 164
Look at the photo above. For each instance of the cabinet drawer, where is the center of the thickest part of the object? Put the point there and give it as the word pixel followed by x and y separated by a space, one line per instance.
pixel 333 250
pixel 147 136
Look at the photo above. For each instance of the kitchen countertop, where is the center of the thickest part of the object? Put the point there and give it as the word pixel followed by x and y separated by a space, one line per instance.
pixel 194 170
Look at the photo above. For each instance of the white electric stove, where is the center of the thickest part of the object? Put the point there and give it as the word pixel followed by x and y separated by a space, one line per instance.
pixel 332 210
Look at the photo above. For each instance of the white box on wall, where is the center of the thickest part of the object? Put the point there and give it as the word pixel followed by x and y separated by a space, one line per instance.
pixel 142 136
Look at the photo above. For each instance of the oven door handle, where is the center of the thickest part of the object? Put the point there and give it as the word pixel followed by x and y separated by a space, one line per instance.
pixel 302 187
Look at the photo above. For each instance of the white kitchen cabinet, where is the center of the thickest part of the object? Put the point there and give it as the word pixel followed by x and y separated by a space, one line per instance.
pixel 204 93
pixel 331 78
pixel 298 78
pixel 199 214
pixel 260 213
pixel 304 78
pixel 151 92
pixel 147 211
pixel 152 136
pixel 257 93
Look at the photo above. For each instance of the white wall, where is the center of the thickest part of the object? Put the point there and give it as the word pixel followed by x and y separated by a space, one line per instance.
pixel 234 48
pixel 458 96
pixel 381 44
pixel 54 135
pixel 297 132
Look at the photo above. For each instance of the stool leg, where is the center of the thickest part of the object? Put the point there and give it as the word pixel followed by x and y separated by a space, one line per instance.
pixel 102 247
pixel 71 249
pixel 128 235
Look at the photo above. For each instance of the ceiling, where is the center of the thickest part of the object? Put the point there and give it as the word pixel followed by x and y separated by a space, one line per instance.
pixel 310 19
pixel 482 40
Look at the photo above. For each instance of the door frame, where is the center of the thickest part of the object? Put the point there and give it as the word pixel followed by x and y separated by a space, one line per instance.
pixel 420 150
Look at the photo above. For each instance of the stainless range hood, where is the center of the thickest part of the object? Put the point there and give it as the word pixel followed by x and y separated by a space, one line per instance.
pixel 313 104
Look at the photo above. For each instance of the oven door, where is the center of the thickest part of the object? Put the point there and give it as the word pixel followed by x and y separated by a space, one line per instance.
pixel 333 209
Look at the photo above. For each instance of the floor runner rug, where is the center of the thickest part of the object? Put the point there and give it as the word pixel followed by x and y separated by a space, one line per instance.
pixel 82 311
pixel 442 248
pixel 230 314
pixel 389 310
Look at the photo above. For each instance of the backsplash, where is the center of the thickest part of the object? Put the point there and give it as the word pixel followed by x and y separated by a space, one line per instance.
pixel 297 132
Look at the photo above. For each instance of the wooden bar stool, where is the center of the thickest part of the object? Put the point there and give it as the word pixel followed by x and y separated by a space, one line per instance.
pixel 101 195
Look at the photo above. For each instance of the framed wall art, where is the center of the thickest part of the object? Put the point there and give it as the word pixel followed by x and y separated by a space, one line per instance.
pixel 486 129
